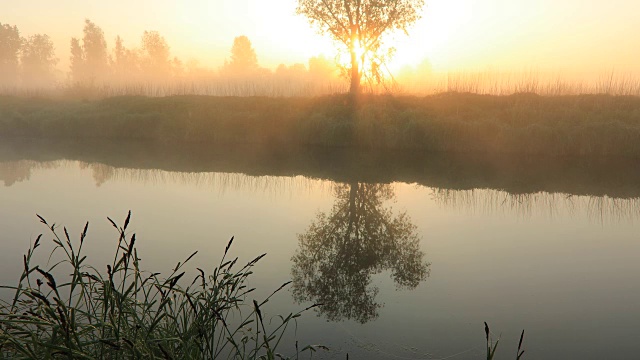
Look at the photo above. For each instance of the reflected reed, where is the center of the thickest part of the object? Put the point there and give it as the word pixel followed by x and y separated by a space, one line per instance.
pixel 491 201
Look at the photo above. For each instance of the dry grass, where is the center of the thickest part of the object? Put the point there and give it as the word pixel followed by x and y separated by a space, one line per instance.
pixel 524 123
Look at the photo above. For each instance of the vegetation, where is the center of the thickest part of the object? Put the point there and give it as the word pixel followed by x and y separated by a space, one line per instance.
pixel 129 313
pixel 28 66
pixel 591 125
pixel 360 26
pixel 493 346
pixel 340 252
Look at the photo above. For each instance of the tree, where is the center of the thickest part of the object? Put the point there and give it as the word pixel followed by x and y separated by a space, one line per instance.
pixel 94 53
pixel 38 60
pixel 361 26
pixel 10 45
pixel 155 55
pixel 244 60
pixel 340 252
pixel 177 67
pixel 76 62
pixel 118 58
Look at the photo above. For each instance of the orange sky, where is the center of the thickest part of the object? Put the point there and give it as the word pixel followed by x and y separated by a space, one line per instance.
pixel 504 35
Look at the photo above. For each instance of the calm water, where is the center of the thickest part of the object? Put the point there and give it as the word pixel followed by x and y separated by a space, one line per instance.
pixel 409 264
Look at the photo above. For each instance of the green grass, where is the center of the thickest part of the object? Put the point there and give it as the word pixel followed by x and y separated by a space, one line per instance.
pixel 591 125
pixel 129 313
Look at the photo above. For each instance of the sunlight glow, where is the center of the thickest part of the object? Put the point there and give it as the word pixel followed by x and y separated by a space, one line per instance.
pixel 453 35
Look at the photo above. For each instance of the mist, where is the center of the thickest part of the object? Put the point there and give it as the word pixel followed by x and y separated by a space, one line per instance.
pixel 98 67
pixel 375 179
pixel 463 45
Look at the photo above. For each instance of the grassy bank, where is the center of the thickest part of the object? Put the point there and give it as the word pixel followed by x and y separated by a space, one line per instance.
pixel 614 177
pixel 66 308
pixel 451 122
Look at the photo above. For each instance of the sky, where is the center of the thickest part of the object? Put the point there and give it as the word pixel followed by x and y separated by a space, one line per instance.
pixel 453 35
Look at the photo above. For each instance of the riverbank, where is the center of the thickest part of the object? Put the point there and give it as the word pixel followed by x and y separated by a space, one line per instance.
pixel 614 177
pixel 591 125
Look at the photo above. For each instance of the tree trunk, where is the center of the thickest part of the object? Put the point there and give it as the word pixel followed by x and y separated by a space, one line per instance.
pixel 355 64
pixel 355 74
pixel 353 193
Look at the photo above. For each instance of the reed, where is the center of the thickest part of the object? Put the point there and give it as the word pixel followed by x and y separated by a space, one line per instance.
pixel 493 346
pixel 130 313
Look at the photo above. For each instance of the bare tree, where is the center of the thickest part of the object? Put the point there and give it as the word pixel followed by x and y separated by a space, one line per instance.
pixel 361 26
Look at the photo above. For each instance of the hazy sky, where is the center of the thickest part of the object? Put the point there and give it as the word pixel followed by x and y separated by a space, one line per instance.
pixel 504 35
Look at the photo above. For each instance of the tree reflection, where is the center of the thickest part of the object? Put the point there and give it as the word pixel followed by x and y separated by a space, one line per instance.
pixel 340 252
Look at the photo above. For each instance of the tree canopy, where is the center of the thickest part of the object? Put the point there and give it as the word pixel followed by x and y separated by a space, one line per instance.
pixel 361 26
pixel 155 53
pixel 38 60
pixel 10 45
pixel 89 60
pixel 244 60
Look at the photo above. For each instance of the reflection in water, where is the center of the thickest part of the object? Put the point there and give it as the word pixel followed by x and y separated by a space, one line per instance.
pixel 340 252
pixel 489 201
pixel 598 208
pixel 274 185
pixel 18 171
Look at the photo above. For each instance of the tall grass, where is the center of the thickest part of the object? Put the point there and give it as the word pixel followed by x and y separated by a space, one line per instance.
pixel 508 83
pixel 484 82
pixel 590 125
pixel 493 346
pixel 73 310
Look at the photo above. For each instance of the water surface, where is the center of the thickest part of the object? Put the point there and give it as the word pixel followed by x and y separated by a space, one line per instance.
pixel 408 258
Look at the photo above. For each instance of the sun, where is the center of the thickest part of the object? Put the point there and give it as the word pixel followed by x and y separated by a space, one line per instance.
pixel 344 55
pixel 358 49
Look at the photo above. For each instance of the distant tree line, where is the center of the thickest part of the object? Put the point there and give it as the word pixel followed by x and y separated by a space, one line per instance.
pixel 31 62
pixel 25 60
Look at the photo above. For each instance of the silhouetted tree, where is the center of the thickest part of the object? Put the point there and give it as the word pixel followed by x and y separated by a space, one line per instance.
pixel 89 62
pixel 10 45
pixel 243 57
pixel 118 59
pixel 360 25
pixel 155 55
pixel 77 64
pixel 125 63
pixel 340 252
pixel 177 67
pixel 38 61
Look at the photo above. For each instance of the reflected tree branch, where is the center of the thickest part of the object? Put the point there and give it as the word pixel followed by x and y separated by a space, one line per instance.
pixel 342 250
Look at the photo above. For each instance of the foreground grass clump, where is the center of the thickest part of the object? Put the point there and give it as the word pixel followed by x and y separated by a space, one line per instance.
pixel 129 313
